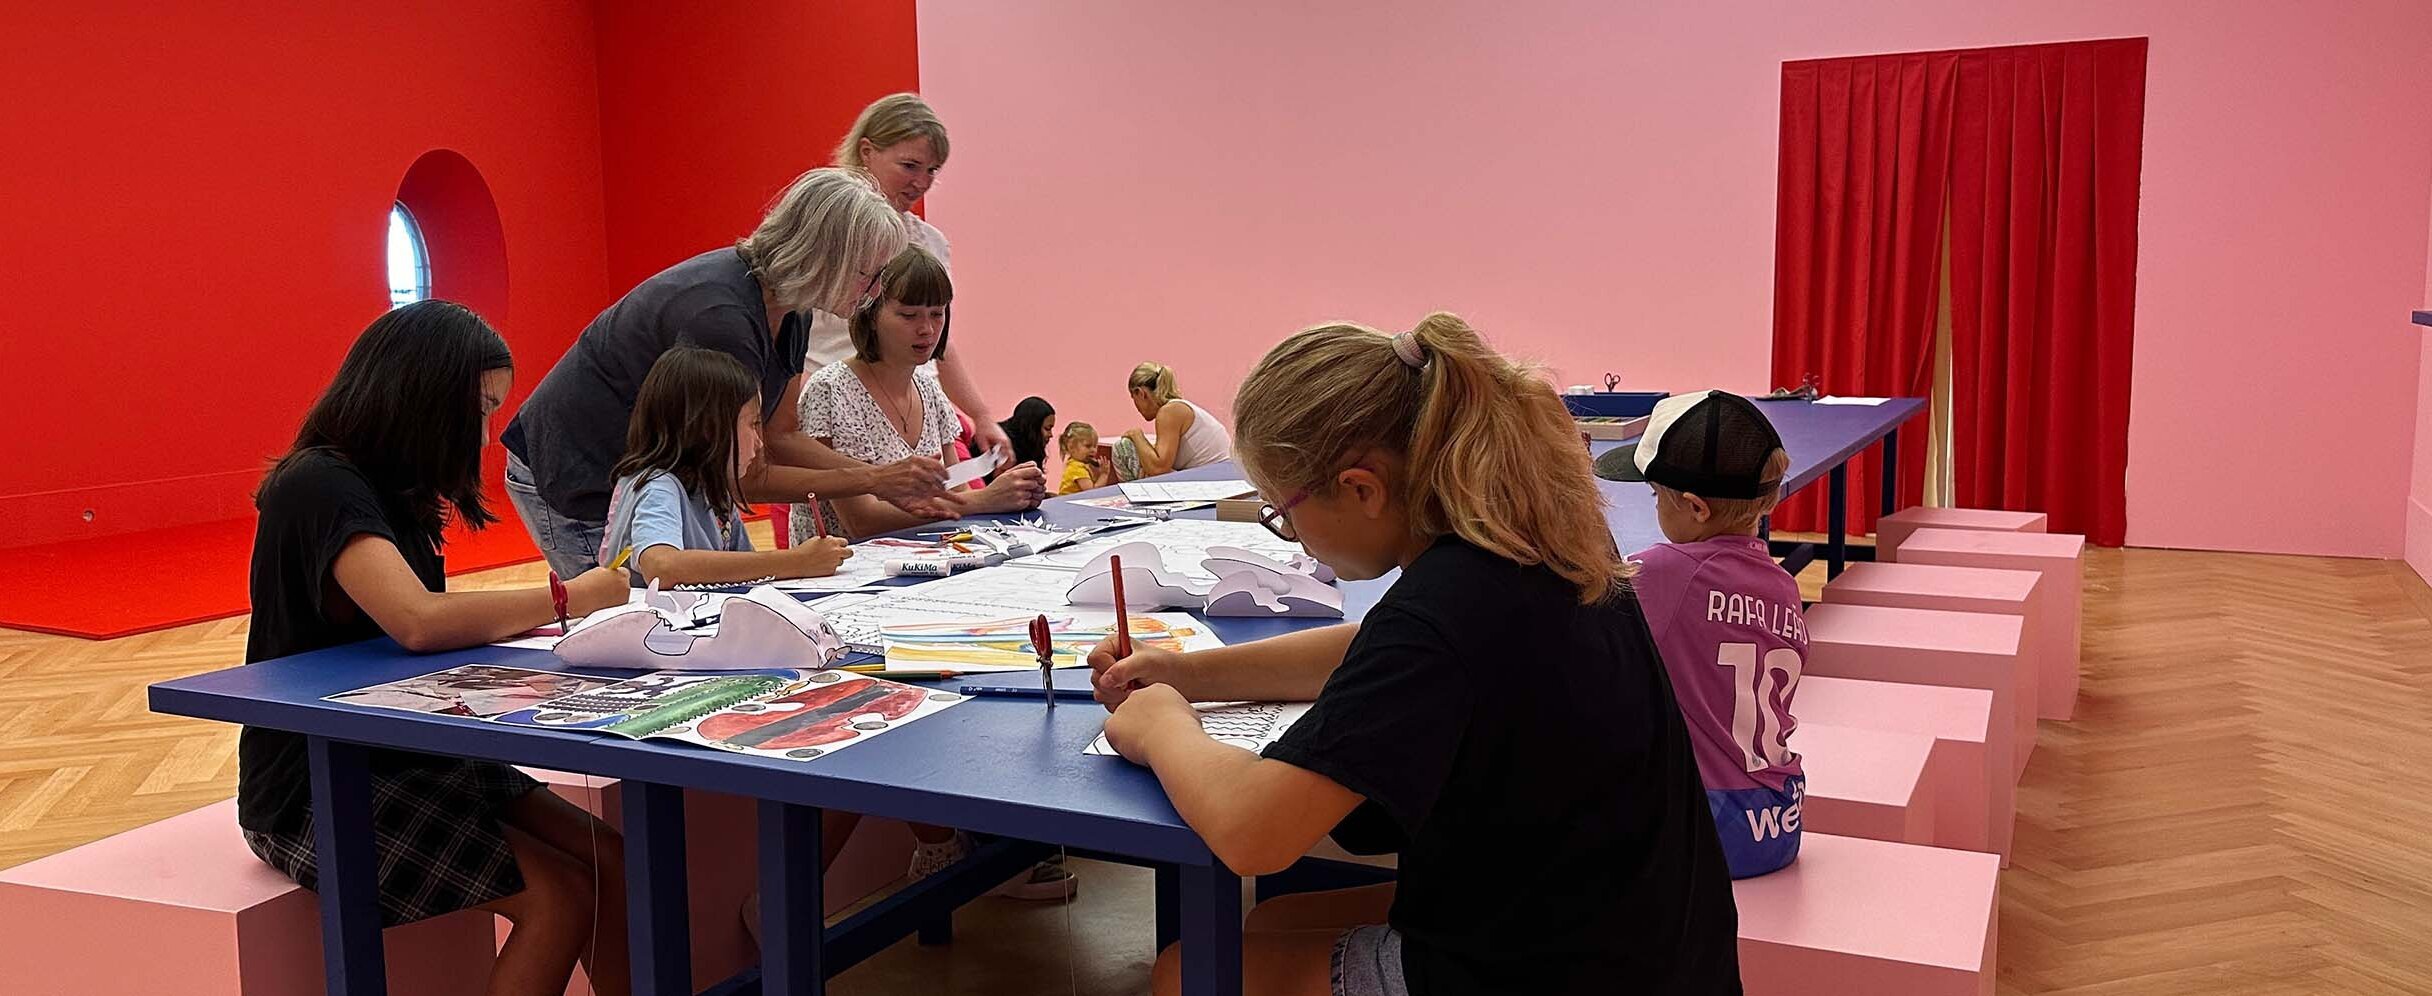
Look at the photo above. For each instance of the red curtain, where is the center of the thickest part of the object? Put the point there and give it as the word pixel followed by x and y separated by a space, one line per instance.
pixel 2045 165
pixel 1864 165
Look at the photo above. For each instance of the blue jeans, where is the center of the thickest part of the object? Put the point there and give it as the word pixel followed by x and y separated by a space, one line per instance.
pixel 572 545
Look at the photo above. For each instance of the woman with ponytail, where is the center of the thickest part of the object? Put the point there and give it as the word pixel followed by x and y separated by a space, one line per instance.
pixel 1503 693
pixel 1187 435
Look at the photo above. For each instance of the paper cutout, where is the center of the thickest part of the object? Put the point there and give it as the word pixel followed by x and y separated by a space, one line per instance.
pixel 1185 543
pixel 1159 492
pixel 757 629
pixel 1258 592
pixel 1147 583
pixel 970 470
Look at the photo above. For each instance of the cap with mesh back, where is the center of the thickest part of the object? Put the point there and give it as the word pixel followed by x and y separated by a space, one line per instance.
pixel 1713 444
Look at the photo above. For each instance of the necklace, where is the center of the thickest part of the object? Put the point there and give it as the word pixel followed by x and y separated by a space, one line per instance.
pixel 901 419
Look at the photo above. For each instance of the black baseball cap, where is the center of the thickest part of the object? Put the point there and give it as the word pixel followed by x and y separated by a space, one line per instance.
pixel 1713 444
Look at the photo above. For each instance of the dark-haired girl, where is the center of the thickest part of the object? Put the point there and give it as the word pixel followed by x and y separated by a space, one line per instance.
pixel 348 548
pixel 674 517
pixel 1031 425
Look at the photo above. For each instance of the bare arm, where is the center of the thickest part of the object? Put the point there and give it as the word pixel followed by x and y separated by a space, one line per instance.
pixel 1289 668
pixel 1258 815
pixel 376 578
pixel 798 464
pixel 671 565
pixel 1158 457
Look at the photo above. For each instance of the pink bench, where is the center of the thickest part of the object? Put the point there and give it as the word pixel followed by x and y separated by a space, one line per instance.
pixel 1892 529
pixel 2060 558
pixel 1866 783
pixel 1967 589
pixel 1930 647
pixel 1857 917
pixel 212 919
pixel 722 864
pixel 1969 797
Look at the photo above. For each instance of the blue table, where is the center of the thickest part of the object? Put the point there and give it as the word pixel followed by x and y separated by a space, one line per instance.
pixel 1006 767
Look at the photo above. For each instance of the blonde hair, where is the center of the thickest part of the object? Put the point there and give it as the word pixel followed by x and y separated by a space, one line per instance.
pixel 1740 515
pixel 1155 378
pixel 1489 453
pixel 896 117
pixel 1074 432
pixel 809 247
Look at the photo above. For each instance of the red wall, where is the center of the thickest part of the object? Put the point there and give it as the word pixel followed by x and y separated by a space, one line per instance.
pixel 708 109
pixel 197 198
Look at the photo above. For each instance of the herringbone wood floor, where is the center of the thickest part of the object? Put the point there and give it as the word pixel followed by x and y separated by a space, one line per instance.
pixel 2232 810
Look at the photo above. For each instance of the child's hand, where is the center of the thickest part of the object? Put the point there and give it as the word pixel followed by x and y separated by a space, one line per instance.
pixel 1147 711
pixel 819 557
pixel 1115 680
pixel 596 589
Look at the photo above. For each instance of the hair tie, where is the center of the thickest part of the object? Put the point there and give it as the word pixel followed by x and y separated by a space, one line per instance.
pixel 1406 347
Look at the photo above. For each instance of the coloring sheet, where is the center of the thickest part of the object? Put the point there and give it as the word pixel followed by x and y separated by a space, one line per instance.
pixel 866 566
pixel 792 715
pixel 1154 492
pixel 1250 726
pixel 480 691
pixel 1184 542
pixel 1004 644
pixel 991 593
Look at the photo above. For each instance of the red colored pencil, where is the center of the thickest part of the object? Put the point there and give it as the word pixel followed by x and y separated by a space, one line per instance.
pixel 818 522
pixel 1123 623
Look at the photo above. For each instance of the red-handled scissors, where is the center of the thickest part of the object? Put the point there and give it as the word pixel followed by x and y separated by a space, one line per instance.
pixel 557 597
pixel 1043 642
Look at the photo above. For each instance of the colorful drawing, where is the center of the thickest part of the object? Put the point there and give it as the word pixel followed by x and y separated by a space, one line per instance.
pixel 828 712
pixel 480 691
pixel 1005 643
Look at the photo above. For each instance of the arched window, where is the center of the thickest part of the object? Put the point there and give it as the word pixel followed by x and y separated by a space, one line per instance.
pixel 409 260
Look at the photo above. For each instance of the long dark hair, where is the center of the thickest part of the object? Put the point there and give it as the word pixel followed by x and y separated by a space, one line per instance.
pixel 1027 427
pixel 405 409
pixel 684 424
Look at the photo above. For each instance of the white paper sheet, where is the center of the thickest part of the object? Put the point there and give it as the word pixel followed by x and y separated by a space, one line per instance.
pixel 970 470
pixel 1184 542
pixel 1003 644
pixel 866 566
pixel 1869 402
pixel 1141 492
pixel 990 593
pixel 1250 726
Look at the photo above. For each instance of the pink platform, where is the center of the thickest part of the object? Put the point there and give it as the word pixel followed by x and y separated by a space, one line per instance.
pixel 1974 589
pixel 1857 917
pixel 1893 529
pixel 1866 783
pixel 2059 557
pixel 1969 798
pixel 722 863
pixel 1931 647
pixel 212 919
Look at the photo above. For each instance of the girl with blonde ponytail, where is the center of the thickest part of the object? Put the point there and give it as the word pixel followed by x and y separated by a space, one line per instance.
pixel 1503 693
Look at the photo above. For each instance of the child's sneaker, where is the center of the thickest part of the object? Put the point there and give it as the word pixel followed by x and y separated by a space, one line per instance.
pixel 1047 881
pixel 928 858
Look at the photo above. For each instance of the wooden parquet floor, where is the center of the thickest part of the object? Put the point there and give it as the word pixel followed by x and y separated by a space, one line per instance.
pixel 2232 810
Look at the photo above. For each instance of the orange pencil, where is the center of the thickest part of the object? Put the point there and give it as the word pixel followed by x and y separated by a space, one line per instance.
pixel 1123 624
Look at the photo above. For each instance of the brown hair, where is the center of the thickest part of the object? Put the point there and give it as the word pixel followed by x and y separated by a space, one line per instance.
pixel 889 120
pixel 913 278
pixel 684 424
pixel 1489 453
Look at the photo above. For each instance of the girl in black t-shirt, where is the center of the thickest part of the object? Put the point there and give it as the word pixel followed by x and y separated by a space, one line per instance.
pixel 1504 694
pixel 348 548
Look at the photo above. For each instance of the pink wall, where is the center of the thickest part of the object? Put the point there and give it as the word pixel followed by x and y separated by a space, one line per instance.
pixel 1593 185
pixel 2419 497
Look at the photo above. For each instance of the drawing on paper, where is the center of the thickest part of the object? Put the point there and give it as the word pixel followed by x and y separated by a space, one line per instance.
pixel 476 690
pixel 1250 726
pixel 1004 644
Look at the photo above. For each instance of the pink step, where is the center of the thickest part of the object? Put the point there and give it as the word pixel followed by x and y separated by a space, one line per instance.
pixel 2060 558
pixel 182 906
pixel 1969 798
pixel 1857 917
pixel 1891 530
pixel 1931 647
pixel 1965 589
pixel 1865 783
pixel 722 866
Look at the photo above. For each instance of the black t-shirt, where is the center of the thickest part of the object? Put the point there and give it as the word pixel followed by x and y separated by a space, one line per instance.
pixel 1524 754
pixel 309 510
pixel 571 431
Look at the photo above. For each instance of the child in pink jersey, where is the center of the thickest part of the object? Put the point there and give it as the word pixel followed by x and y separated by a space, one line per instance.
pixel 1726 617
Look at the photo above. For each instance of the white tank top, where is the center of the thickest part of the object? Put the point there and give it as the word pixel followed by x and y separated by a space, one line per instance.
pixel 1204 442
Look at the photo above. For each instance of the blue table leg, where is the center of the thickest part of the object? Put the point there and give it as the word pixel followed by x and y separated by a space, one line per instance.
pixel 655 886
pixel 1836 522
pixel 1211 930
pixel 1891 474
pixel 792 899
pixel 346 866
pixel 1169 905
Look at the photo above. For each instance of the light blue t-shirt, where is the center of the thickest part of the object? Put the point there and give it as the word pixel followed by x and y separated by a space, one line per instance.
pixel 655 510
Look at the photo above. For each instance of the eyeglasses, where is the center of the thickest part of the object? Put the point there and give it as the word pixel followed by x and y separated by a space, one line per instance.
pixel 1274 517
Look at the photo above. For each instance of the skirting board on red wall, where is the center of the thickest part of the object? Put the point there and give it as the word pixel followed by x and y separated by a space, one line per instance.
pixel 57 516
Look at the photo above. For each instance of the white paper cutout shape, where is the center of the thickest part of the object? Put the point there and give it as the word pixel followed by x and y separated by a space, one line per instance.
pixel 761 628
pixel 1147 583
pixel 1249 584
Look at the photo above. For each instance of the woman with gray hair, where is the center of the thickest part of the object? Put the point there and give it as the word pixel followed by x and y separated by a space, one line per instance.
pixel 819 248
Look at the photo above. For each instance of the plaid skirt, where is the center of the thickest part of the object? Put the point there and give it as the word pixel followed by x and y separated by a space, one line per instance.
pixel 436 832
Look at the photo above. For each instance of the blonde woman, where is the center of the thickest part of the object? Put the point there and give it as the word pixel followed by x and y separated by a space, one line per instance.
pixel 819 248
pixel 901 144
pixel 1187 435
pixel 1504 693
